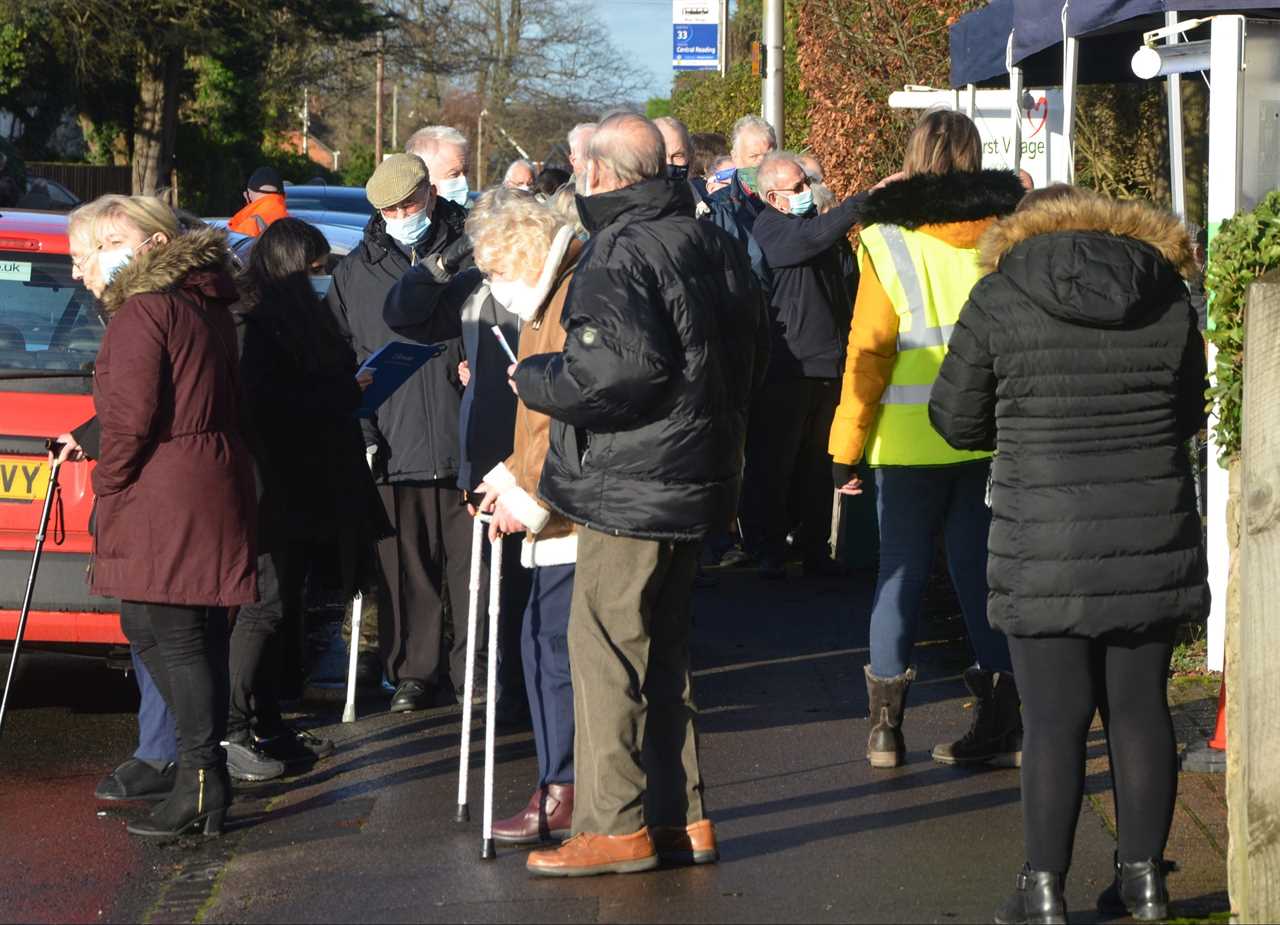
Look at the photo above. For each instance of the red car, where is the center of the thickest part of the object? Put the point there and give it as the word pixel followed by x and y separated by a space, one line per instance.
pixel 49 336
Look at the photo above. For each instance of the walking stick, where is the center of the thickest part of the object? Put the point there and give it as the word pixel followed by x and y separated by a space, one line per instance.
pixel 468 686
pixel 353 647
pixel 487 852
pixel 31 580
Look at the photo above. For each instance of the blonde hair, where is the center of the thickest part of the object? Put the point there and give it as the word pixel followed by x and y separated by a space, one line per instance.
pixel 512 233
pixel 943 141
pixel 146 213
pixel 80 222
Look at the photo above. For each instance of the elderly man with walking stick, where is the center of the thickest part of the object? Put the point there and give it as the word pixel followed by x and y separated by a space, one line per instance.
pixel 665 344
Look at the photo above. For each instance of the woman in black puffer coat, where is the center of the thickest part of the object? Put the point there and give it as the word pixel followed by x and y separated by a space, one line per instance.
pixel 1080 361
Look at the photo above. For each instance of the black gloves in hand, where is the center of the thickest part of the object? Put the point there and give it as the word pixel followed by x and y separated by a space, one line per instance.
pixel 842 474
pixel 457 255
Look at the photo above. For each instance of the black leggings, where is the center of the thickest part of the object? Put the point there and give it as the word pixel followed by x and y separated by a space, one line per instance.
pixel 1062 679
pixel 185 651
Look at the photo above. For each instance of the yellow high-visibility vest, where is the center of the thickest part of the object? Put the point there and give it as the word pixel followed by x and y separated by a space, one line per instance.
pixel 928 282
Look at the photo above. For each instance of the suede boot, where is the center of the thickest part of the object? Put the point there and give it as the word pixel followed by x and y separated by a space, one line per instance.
pixel 1040 899
pixel 995 734
pixel 887 697
pixel 199 801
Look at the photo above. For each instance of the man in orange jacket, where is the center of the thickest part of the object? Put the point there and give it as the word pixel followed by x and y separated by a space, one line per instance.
pixel 264 203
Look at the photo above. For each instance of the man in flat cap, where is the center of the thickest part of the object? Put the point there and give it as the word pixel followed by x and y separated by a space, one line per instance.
pixel 416 435
pixel 264 203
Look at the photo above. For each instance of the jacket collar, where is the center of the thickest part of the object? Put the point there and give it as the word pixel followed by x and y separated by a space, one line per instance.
pixel 1088 212
pixel 934 199
pixel 162 267
pixel 641 202
pixel 562 260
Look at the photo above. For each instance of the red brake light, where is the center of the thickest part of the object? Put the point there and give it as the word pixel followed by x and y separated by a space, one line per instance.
pixel 21 244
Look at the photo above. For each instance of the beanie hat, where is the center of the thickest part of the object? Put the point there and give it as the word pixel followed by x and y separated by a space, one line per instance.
pixel 395 180
pixel 265 179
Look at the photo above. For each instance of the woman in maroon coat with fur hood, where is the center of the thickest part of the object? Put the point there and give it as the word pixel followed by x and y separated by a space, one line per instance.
pixel 174 481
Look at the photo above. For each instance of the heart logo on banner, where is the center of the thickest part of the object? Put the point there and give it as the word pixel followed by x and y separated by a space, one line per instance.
pixel 1040 108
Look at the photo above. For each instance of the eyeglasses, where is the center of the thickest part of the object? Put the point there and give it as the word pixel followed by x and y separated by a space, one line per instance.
pixel 799 187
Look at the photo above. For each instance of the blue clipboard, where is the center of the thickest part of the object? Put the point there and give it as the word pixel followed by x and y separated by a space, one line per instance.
pixel 392 366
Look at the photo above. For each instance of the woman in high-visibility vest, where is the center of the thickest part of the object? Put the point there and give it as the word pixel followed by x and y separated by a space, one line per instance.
pixel 918 254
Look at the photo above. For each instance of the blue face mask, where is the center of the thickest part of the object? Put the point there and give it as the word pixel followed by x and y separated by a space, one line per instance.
pixel 320 285
pixel 409 230
pixel 802 203
pixel 455 190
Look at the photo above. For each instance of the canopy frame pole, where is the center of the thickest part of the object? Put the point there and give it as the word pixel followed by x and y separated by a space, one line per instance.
pixel 1226 166
pixel 1070 72
pixel 1177 166
pixel 971 101
pixel 1015 92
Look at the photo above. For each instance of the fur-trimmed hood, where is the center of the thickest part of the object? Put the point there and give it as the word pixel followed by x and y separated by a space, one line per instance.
pixel 938 199
pixel 1091 260
pixel 162 268
pixel 1119 218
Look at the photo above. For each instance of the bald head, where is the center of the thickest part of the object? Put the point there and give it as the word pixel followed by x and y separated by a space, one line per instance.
pixel 626 149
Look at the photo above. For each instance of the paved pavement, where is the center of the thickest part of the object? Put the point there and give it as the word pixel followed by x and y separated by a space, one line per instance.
pixel 808 831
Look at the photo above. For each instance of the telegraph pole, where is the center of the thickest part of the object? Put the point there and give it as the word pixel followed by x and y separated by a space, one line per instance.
pixel 306 122
pixel 377 107
pixel 395 116
pixel 773 95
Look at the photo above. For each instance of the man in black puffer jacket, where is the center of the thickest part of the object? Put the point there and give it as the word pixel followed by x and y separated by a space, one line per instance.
pixel 415 432
pixel 666 343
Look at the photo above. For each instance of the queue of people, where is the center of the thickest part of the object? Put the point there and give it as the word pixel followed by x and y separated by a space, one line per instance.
pixel 700 360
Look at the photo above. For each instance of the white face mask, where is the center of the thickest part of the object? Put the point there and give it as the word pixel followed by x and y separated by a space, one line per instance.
pixel 455 190
pixel 515 296
pixel 113 261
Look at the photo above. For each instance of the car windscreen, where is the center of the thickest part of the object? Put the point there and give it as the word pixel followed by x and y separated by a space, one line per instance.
pixel 320 199
pixel 49 326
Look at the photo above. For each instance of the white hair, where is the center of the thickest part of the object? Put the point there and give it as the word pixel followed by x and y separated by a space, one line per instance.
pixel 752 125
pixel 769 167
pixel 630 146
pixel 681 130
pixel 520 163
pixel 580 137
pixel 425 141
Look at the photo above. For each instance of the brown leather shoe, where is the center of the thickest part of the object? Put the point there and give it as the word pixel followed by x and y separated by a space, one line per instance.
pixel 547 817
pixel 694 844
pixel 585 855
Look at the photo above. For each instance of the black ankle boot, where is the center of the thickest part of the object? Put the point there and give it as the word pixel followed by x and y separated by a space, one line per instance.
pixel 199 801
pixel 1139 890
pixel 995 733
pixel 888 698
pixel 1039 900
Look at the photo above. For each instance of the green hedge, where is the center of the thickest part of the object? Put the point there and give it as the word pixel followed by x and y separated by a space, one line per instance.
pixel 1245 248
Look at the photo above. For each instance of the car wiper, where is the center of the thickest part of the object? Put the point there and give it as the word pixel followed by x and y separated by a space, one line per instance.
pixel 46 374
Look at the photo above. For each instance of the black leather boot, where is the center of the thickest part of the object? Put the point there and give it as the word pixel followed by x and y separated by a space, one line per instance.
pixel 199 801
pixel 887 696
pixel 1039 900
pixel 137 780
pixel 995 735
pixel 1139 890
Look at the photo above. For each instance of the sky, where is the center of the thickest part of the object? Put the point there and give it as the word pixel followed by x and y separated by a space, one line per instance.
pixel 641 30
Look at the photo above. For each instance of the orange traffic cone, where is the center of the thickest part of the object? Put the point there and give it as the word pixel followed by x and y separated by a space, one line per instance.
pixel 1219 740
pixel 1211 757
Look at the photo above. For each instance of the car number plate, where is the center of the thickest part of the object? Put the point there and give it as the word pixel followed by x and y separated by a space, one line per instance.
pixel 23 478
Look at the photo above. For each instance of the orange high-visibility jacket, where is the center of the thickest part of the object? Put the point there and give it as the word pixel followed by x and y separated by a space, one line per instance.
pixel 254 218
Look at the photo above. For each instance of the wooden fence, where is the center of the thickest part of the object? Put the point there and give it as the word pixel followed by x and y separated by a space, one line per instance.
pixel 1253 694
pixel 88 181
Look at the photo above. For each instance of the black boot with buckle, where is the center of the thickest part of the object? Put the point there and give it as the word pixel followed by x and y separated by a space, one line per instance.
pixel 1139 891
pixel 198 803
pixel 886 747
pixel 995 735
pixel 1040 899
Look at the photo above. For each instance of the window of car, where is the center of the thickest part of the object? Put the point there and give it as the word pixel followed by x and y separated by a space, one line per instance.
pixel 49 324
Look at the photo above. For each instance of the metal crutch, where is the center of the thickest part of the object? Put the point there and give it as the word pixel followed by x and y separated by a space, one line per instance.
pixel 31 580
pixel 468 686
pixel 487 852
pixel 353 647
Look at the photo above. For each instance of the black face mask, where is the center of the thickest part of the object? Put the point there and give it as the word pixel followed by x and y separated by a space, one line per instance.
pixel 678 171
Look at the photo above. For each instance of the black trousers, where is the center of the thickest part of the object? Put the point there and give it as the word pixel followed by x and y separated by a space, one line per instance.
pixel 427 561
pixel 788 474
pixel 1062 679
pixel 257 642
pixel 185 651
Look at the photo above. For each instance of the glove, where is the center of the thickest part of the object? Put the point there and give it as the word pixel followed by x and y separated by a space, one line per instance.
pixel 842 473
pixel 457 255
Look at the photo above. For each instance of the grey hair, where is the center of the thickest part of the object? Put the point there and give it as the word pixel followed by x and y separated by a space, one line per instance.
pixel 680 129
pixel 576 133
pixel 520 163
pixel 630 163
pixel 769 167
pixel 753 125
pixel 425 141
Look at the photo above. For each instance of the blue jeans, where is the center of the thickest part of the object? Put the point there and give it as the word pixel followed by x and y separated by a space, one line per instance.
pixel 157 740
pixel 544 642
pixel 914 501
